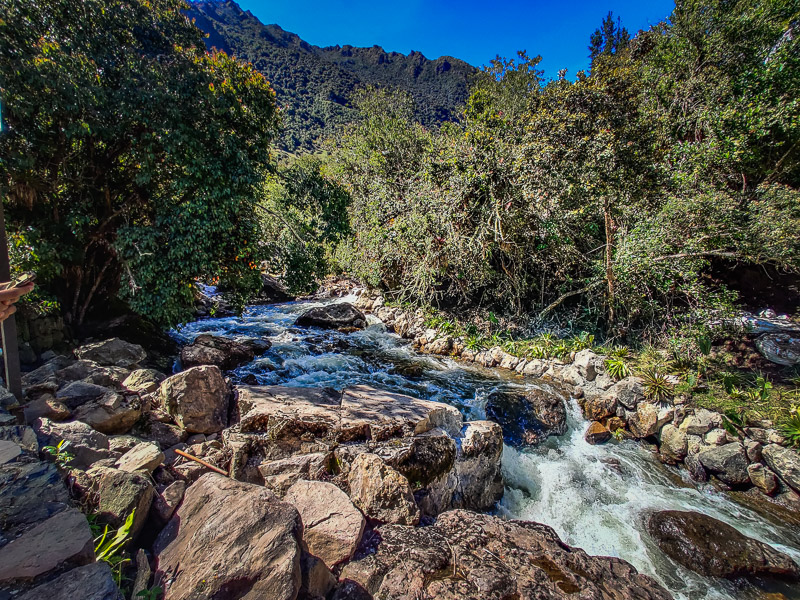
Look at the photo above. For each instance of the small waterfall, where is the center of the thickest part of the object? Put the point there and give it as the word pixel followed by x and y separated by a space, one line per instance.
pixel 595 497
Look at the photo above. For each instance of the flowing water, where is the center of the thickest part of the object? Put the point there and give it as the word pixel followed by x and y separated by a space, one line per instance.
pixel 595 497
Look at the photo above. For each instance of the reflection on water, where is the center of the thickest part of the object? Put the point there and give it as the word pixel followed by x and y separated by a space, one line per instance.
pixel 595 497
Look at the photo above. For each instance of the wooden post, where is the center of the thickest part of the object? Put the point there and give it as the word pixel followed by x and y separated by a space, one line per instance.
pixel 9 327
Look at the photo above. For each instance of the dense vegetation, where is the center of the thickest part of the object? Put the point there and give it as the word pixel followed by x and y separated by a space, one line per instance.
pixel 622 201
pixel 314 86
pixel 132 156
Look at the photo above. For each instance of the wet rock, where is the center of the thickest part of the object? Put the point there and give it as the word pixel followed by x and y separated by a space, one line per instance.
pixel 85 444
pixel 229 540
pixel 472 556
pixel 674 444
pixel 701 422
pixel 114 352
pixel 64 538
pixel 332 526
pixel 197 399
pixel 763 478
pixel 728 463
pixel 715 549
pixel 223 352
pixel 333 316
pixel 78 393
pixel 600 407
pixel 785 462
pixel 527 418
pixel 120 494
pixel 272 291
pixel 597 433
pixel 381 492
pixel 111 413
pixel 144 456
pixel 143 381
pixel 90 582
pixel 695 468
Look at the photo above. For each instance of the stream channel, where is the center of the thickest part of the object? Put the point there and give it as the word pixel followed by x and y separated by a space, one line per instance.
pixel 595 497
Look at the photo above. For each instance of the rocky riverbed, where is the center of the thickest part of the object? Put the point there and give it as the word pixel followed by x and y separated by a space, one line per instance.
pixel 355 468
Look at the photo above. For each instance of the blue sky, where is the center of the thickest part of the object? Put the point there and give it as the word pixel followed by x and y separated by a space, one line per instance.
pixel 470 30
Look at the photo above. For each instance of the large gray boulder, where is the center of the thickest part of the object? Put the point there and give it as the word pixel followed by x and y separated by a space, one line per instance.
pixel 113 352
pixel 342 315
pixel 229 540
pixel 715 549
pixel 197 399
pixel 785 462
pixel 111 413
pixel 332 526
pixel 223 352
pixel 728 463
pixel 90 582
pixel 85 444
pixel 470 556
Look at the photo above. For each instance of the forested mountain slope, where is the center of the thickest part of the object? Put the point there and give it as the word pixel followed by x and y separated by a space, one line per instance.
pixel 314 85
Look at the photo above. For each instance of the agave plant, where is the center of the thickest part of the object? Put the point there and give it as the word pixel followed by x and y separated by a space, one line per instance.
pixel 657 387
pixel 790 427
pixel 617 368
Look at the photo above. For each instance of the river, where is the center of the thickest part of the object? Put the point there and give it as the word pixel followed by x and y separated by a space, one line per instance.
pixel 595 497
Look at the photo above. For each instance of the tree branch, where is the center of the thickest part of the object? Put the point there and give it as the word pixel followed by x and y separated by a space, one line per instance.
pixel 563 297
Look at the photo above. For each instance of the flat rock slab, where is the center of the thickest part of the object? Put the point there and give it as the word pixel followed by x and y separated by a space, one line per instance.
pixel 114 352
pixel 470 556
pixel 63 538
pixel 229 539
pixel 715 549
pixel 359 413
pixel 144 456
pixel 9 451
pixel 332 526
pixel 91 582
pixel 29 493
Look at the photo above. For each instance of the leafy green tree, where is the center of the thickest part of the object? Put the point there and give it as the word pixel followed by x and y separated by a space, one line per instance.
pixel 132 155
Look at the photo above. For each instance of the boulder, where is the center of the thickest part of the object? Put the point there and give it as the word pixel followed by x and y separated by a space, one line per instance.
pixel 715 549
pixel 600 407
pixel 166 502
pixel 380 492
pixel 121 493
pixel 597 433
pixel 9 451
pixel 223 352
pixel 113 352
pixel 785 462
pixel 197 399
pixel 763 478
pixel 466 555
pixel 63 539
pixel 628 392
pixel 701 422
pixel 143 381
pixel 85 444
pixel 527 418
pixel 144 456
pixel 78 393
pixel 674 444
pixel 695 468
pixel 479 480
pixel 780 348
pixel 48 407
pixel 728 463
pixel 644 422
pixel 332 526
pixel 229 540
pixel 90 582
pixel 280 475
pixel 272 291
pixel 111 413
pixel 30 492
pixel 333 316
pixel 589 365
pixel 90 372
pixel 46 372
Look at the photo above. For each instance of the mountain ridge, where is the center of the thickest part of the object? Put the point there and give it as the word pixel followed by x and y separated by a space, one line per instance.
pixel 314 84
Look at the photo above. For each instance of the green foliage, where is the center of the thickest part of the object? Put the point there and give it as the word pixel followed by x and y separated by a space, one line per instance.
pixel 151 594
pixel 110 549
pixel 132 155
pixel 790 426
pixel 303 215
pixel 617 367
pixel 704 344
pixel 59 453
pixel 657 387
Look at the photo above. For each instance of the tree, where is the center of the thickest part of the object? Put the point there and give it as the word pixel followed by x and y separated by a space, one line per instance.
pixel 133 155
pixel 608 39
